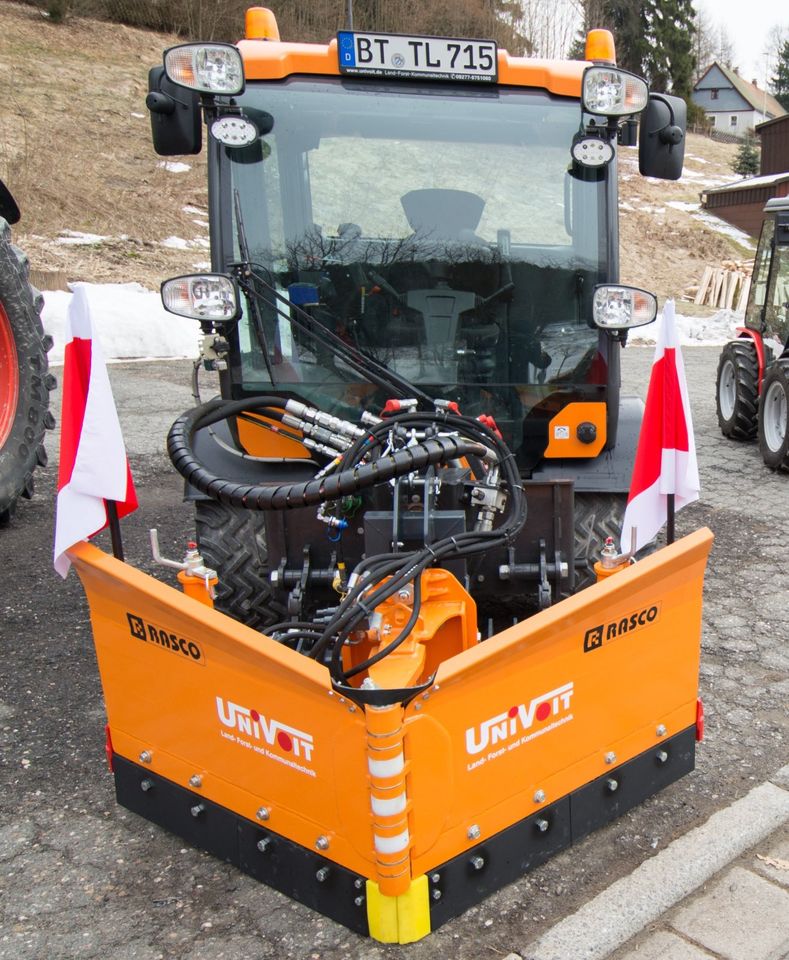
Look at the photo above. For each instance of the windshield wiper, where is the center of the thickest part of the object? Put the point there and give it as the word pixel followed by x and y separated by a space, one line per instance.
pixel 362 363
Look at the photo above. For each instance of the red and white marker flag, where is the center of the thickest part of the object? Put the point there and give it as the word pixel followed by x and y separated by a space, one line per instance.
pixel 665 461
pixel 93 465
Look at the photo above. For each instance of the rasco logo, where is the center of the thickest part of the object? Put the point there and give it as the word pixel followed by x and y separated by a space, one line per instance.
pixel 164 639
pixel 289 743
pixel 522 722
pixel 595 637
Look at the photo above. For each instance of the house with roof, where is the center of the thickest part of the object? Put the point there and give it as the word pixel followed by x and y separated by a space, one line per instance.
pixel 733 105
pixel 742 203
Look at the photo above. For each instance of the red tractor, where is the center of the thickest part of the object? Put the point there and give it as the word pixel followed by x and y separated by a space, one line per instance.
pixel 753 372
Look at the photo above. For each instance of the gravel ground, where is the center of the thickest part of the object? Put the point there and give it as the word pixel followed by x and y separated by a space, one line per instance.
pixel 81 877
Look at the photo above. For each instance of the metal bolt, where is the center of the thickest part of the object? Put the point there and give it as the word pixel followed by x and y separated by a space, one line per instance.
pixel 146 756
pixel 359 901
pixel 473 832
pixel 425 696
pixel 352 708
pixel 661 756
pixel 263 813
pixel 612 785
pixel 195 780
pixel 263 844
pixel 417 706
pixel 322 843
pixel 358 883
pixel 197 809
pixel 477 862
pixel 322 875
pixel 435 877
pixel 539 796
pixel 404 595
pixel 436 894
pixel 661 730
pixel 146 785
pixel 610 757
pixel 542 825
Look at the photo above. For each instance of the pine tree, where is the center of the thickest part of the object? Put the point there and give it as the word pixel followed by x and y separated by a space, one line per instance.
pixel 669 60
pixel 779 84
pixel 746 162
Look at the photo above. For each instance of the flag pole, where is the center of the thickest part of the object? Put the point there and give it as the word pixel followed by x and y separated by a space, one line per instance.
pixel 670 518
pixel 115 529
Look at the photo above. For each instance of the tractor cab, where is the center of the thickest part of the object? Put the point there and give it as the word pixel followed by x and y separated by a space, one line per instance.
pixel 752 388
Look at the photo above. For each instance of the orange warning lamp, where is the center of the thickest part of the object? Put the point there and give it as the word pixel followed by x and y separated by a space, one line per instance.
pixel 600 46
pixel 261 24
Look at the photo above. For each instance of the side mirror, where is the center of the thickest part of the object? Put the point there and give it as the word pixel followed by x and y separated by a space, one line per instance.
pixel 8 208
pixel 661 145
pixel 175 116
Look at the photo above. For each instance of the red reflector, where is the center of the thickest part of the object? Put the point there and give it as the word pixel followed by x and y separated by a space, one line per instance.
pixel 699 720
pixel 108 747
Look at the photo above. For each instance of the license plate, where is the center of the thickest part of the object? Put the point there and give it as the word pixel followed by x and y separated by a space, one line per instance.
pixel 396 55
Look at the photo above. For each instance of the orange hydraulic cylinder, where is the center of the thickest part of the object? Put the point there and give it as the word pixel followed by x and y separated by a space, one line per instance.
pixel 388 798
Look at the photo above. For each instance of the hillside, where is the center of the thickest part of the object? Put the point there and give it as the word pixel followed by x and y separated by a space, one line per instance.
pixel 99 205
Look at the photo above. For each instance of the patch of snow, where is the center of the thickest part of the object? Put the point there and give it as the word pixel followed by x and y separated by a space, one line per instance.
pixel 129 320
pixel 138 116
pixel 175 243
pixel 74 238
pixel 720 226
pixel 178 243
pixel 190 209
pixel 648 209
pixel 624 205
pixel 206 224
pixel 682 205
pixel 202 265
pixel 694 331
pixel 174 166
pixel 690 156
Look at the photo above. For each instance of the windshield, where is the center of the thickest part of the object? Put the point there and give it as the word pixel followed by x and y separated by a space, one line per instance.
pixel 440 230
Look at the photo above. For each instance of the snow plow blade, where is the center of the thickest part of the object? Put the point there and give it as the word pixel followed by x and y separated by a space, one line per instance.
pixel 393 811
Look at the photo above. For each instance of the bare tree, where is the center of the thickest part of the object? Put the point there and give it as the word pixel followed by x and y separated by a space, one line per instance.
pixel 705 43
pixel 550 27
pixel 725 51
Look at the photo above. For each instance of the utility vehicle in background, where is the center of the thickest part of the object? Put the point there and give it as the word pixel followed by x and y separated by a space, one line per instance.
pixel 397 706
pixel 752 387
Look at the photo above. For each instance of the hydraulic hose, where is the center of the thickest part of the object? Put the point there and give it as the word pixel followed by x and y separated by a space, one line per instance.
pixel 180 447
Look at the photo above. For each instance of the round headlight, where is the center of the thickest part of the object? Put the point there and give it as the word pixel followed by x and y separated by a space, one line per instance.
pixel 592 151
pixel 234 131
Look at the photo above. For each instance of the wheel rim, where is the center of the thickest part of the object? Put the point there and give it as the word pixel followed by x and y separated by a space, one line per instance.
pixel 9 377
pixel 774 419
pixel 727 390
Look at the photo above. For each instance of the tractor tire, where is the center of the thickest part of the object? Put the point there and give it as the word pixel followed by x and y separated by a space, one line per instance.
pixel 25 382
pixel 233 542
pixel 597 516
pixel 737 390
pixel 773 407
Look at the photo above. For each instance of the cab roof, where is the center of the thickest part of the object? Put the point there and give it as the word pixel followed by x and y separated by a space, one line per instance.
pixel 275 60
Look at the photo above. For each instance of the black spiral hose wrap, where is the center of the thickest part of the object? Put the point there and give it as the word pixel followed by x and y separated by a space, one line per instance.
pixel 180 447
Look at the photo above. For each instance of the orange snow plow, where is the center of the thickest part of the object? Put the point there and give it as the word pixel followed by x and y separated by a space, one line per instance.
pixel 394 806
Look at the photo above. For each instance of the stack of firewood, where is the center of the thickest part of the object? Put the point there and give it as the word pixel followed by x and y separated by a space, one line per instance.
pixel 725 286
